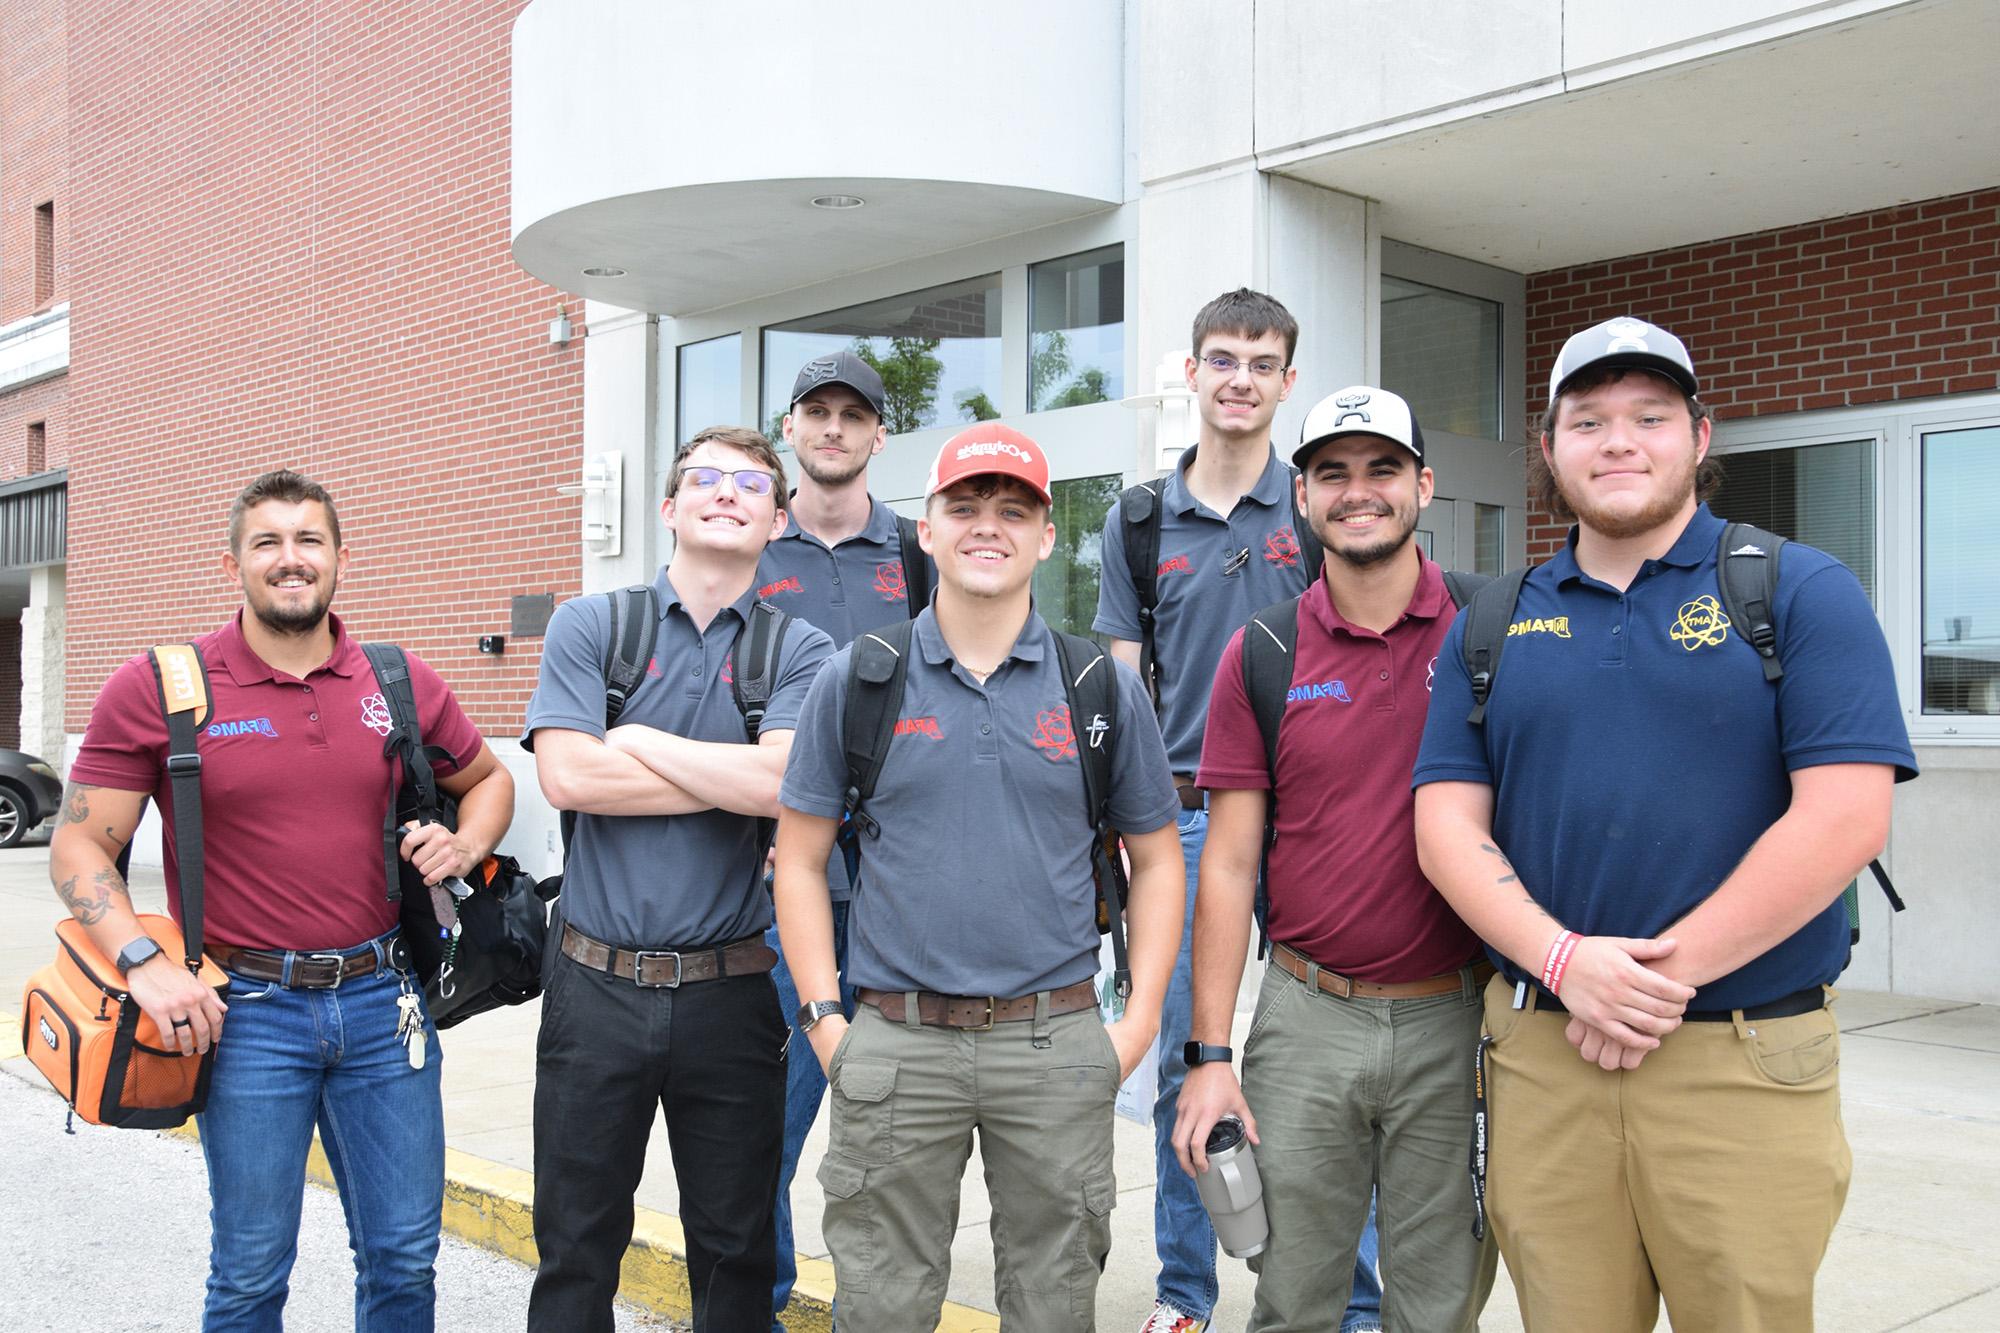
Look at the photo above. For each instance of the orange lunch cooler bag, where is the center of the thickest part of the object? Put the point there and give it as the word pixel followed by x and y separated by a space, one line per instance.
pixel 79 1025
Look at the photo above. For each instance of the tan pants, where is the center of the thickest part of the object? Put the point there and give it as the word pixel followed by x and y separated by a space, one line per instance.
pixel 906 1102
pixel 1711 1175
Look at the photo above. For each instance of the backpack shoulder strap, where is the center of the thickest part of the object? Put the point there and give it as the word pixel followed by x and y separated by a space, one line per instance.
pixel 635 620
pixel 404 745
pixel 1487 615
pixel 758 644
pixel 1747 568
pixel 876 670
pixel 182 678
pixel 1268 640
pixel 1090 688
pixel 916 566
pixel 1463 585
pixel 1142 509
pixel 1311 554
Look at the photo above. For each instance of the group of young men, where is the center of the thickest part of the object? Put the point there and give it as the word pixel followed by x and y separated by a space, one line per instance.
pixel 1599 971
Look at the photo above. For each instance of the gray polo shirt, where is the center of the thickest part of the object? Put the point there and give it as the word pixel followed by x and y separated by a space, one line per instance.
pixel 851 586
pixel 666 881
pixel 1214 574
pixel 980 881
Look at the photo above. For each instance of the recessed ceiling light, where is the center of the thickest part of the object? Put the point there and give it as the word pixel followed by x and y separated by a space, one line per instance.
pixel 604 271
pixel 837 201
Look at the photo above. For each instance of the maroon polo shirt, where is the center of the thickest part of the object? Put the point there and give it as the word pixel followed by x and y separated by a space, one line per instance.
pixel 1344 885
pixel 294 785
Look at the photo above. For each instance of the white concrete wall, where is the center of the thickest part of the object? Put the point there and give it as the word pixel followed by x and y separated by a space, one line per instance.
pixel 621 415
pixel 42 665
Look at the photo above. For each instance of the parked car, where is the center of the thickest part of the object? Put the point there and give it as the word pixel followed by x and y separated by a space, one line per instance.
pixel 30 791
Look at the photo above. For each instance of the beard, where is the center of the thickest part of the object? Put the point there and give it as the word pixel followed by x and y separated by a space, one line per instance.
pixel 826 473
pixel 1326 527
pixel 1676 489
pixel 296 622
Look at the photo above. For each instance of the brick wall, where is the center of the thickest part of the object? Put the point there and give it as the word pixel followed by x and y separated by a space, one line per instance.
pixel 289 247
pixel 33 151
pixel 1896 304
pixel 46 402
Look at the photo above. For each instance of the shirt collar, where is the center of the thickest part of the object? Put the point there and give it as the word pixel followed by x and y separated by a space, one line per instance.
pixel 880 530
pixel 1428 600
pixel 670 600
pixel 1695 545
pixel 1270 490
pixel 1029 645
pixel 240 660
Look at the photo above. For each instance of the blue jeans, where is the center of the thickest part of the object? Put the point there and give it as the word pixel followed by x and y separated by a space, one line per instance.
pixel 805 1084
pixel 290 1060
pixel 1181 1231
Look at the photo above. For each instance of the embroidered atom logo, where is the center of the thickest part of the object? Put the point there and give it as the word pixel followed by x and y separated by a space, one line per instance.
pixel 1053 736
pixel 1701 624
pixel 375 715
pixel 891 582
pixel 1282 547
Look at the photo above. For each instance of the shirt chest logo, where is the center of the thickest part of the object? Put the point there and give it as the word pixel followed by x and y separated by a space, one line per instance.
pixel 1053 734
pixel 1179 564
pixel 926 727
pixel 770 590
pixel 1282 548
pixel 375 715
pixel 1335 690
pixel 255 726
pixel 891 582
pixel 1557 625
pixel 1700 623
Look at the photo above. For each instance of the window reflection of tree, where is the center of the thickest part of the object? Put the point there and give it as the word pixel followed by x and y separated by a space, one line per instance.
pixel 1066 583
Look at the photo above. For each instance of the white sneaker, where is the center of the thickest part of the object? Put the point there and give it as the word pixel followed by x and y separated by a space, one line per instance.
pixel 1166 1319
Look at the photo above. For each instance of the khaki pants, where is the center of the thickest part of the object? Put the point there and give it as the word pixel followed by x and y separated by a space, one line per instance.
pixel 906 1102
pixel 1711 1175
pixel 1353 1097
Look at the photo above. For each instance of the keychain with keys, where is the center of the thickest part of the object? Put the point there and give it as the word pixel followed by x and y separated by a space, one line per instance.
pixel 410 1024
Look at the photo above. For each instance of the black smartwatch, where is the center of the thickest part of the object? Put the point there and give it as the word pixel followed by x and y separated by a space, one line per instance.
pixel 813 1010
pixel 1201 1053
pixel 135 953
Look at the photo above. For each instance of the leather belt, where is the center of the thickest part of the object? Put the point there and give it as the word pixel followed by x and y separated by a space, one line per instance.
pixel 978 1012
pixel 310 971
pixel 1808 1001
pixel 1298 965
pixel 1192 797
pixel 669 968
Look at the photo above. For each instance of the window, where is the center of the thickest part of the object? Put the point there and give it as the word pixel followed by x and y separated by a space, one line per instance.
pixel 45 254
pixel 1076 330
pixel 1066 583
pixel 1821 494
pixel 708 379
pixel 1489 539
pixel 38 446
pixel 938 352
pixel 1441 352
pixel 1961 572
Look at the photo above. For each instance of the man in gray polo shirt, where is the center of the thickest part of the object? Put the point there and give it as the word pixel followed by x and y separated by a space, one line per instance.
pixel 973 928
pixel 1229 547
pixel 840 565
pixel 661 996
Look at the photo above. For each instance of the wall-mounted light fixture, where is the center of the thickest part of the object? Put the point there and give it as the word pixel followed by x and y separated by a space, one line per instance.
pixel 1173 425
pixel 560 329
pixel 603 492
pixel 493 644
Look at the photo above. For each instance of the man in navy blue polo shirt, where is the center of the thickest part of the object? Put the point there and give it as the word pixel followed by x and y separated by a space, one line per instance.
pixel 974 927
pixel 1229 547
pixel 839 565
pixel 1652 839
pixel 661 1000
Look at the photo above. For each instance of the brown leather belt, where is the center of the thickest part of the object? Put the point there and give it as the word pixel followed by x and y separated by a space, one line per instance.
pixel 323 970
pixel 668 968
pixel 1296 963
pixel 978 1011
pixel 1192 797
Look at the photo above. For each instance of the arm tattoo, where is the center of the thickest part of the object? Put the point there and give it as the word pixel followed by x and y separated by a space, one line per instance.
pixel 76 804
pixel 92 904
pixel 1511 878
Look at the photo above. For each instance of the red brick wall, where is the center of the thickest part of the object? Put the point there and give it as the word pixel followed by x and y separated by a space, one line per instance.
pixel 1901 303
pixel 33 152
pixel 46 402
pixel 290 232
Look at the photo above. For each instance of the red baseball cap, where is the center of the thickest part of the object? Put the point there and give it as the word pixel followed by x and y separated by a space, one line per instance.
pixel 990 450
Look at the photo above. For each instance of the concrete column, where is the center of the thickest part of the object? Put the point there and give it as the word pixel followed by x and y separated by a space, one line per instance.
pixel 621 376
pixel 42 675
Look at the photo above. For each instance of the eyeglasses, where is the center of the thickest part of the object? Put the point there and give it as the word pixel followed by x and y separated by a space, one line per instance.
pixel 748 480
pixel 1263 367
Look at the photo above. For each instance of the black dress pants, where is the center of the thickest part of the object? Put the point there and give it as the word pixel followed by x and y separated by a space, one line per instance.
pixel 710 1055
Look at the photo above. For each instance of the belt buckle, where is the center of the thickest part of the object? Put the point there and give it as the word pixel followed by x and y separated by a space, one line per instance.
pixel 339 962
pixel 987 1026
pixel 638 960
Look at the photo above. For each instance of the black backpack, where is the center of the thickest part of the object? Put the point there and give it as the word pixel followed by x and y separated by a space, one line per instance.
pixel 916 566
pixel 877 669
pixel 1747 571
pixel 1142 509
pixel 494 956
pixel 1268 641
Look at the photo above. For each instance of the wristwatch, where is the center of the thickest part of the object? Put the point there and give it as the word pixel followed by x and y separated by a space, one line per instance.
pixel 813 1010
pixel 135 953
pixel 1201 1053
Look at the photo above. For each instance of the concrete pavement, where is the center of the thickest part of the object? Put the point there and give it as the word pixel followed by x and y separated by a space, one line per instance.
pixel 1914 1249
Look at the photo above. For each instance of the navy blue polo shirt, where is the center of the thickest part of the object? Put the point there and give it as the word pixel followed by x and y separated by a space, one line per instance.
pixel 666 881
pixel 980 881
pixel 1636 751
pixel 1214 574
pixel 851 586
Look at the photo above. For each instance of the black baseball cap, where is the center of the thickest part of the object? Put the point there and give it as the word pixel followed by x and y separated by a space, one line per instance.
pixel 1624 343
pixel 844 368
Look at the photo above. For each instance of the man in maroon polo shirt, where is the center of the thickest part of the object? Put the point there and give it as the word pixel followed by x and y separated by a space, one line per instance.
pixel 294 787
pixel 1357 1072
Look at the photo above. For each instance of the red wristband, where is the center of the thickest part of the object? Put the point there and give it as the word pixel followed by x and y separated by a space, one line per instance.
pixel 1559 962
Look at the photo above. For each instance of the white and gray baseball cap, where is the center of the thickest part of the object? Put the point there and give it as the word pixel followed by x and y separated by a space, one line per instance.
pixel 1359 409
pixel 1628 343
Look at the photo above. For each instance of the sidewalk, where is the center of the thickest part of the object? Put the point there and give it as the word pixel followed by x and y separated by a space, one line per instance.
pixel 1914 1249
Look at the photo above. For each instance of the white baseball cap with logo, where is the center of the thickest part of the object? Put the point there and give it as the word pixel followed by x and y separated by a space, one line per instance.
pixel 1628 343
pixel 1359 409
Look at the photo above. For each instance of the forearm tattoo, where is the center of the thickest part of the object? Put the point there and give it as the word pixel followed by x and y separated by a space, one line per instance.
pixel 1510 877
pixel 91 903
